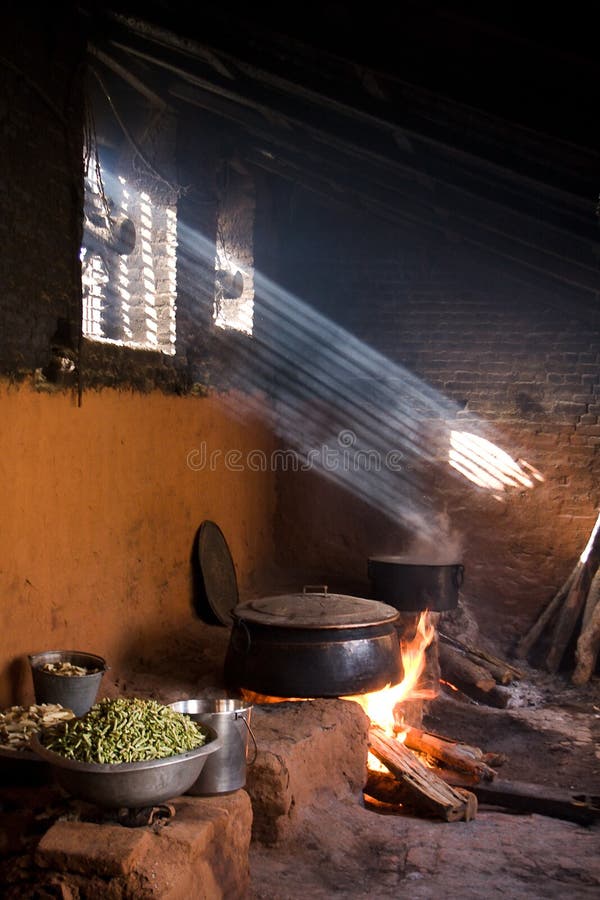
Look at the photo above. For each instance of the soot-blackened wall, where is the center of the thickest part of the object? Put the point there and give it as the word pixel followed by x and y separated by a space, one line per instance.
pixel 464 351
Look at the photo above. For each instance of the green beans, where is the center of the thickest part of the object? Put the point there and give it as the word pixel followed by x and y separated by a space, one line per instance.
pixel 124 730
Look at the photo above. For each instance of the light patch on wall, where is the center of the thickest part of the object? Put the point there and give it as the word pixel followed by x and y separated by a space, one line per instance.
pixel 128 261
pixel 234 254
pixel 486 465
pixel 234 297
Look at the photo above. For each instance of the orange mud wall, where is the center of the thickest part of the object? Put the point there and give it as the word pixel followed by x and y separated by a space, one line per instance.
pixel 100 510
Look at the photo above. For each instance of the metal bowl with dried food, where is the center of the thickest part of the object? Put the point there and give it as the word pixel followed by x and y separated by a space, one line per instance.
pixel 69 677
pixel 19 723
pixel 18 763
pixel 127 752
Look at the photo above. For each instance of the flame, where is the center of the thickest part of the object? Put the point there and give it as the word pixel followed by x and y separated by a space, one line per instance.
pixel 380 706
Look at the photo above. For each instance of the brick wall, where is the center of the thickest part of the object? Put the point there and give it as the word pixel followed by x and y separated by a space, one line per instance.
pixel 515 366
pixel 40 181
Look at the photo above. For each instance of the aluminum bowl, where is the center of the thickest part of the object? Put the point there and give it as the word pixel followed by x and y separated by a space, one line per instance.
pixel 129 785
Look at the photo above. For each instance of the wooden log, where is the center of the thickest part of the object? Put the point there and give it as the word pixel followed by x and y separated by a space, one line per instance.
pixel 531 798
pixel 502 671
pixel 471 679
pixel 427 793
pixel 384 793
pixel 386 788
pixel 564 627
pixel 463 672
pixel 575 606
pixel 453 754
pixel 588 647
pixel 495 759
pixel 502 674
pixel 450 690
pixel 591 600
pixel 527 643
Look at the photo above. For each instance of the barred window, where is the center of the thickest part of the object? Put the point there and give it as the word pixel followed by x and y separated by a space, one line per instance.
pixel 128 261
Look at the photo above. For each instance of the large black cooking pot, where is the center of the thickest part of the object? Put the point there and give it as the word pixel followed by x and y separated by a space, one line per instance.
pixel 313 645
pixel 410 586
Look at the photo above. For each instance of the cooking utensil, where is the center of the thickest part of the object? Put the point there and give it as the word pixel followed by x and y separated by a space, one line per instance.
pixel 225 770
pixel 75 692
pixel 412 586
pixel 129 785
pixel 313 645
pixel 216 575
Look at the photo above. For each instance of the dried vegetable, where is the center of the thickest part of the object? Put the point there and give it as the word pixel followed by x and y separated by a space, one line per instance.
pixel 66 668
pixel 125 730
pixel 18 723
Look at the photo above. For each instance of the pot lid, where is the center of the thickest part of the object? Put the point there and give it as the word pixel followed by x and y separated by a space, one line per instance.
pixel 308 610
pixel 217 571
pixel 408 561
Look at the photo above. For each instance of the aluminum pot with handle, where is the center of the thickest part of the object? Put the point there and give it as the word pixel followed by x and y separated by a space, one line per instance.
pixel 313 644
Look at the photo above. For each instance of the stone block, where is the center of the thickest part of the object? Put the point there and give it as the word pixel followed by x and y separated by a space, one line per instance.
pixel 202 852
pixel 306 749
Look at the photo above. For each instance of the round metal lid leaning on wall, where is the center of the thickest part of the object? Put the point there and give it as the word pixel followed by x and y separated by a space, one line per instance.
pixel 217 590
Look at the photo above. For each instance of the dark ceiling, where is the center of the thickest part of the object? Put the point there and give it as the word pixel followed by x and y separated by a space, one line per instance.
pixel 474 121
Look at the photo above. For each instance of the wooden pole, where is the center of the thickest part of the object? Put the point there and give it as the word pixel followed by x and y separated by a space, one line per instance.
pixel 588 647
pixel 526 644
pixel 567 619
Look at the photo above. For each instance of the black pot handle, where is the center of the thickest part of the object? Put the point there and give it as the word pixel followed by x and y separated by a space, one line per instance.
pixel 240 636
pixel 458 576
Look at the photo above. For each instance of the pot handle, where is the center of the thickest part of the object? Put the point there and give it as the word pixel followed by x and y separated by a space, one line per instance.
pixel 240 628
pixel 458 576
pixel 239 715
pixel 314 589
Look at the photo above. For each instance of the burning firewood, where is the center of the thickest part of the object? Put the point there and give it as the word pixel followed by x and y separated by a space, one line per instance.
pixel 473 679
pixel 460 670
pixel 461 757
pixel 422 789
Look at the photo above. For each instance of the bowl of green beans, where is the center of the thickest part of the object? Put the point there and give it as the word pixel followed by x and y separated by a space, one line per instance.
pixel 126 753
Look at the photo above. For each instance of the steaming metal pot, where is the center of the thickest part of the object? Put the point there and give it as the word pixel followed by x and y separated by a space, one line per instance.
pixel 313 645
pixel 410 586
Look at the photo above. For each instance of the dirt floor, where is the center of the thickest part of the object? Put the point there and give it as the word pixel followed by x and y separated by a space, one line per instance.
pixel 550 735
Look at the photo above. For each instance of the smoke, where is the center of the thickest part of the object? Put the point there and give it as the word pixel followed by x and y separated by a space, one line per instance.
pixel 436 543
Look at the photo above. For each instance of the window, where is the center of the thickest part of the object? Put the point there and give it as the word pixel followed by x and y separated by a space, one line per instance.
pixel 129 264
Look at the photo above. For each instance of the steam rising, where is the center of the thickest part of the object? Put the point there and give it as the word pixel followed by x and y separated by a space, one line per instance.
pixel 347 411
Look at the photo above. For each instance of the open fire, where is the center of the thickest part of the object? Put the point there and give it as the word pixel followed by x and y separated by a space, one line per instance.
pixel 384 707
